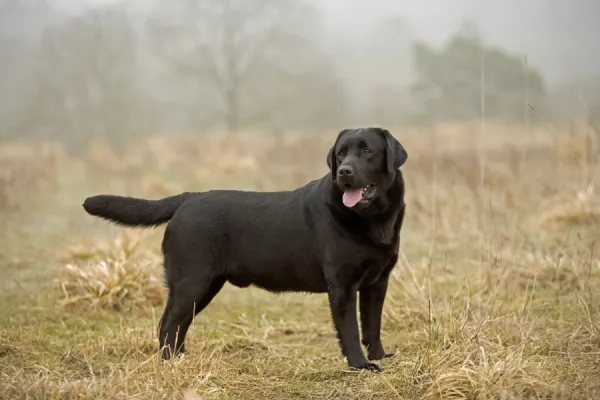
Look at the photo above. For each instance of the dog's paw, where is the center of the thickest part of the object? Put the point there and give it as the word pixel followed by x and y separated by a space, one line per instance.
pixel 167 354
pixel 368 366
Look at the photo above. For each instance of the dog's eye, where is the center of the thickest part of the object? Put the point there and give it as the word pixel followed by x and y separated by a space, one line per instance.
pixel 367 151
pixel 340 153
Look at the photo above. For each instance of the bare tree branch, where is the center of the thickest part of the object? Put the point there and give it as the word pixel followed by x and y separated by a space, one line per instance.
pixel 229 45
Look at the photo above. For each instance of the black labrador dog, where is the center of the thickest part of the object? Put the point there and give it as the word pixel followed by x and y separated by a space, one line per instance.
pixel 338 235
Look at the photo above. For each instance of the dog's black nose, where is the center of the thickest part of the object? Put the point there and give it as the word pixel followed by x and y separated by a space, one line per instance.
pixel 345 170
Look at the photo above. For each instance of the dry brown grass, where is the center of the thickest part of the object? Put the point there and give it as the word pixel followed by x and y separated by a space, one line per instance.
pixel 117 275
pixel 496 295
pixel 26 170
pixel 582 207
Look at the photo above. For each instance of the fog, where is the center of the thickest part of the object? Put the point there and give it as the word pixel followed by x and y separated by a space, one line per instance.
pixel 562 38
pixel 119 69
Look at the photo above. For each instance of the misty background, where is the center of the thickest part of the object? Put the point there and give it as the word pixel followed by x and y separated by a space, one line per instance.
pixel 74 71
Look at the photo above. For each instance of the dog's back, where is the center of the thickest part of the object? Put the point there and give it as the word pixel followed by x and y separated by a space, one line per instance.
pixel 261 238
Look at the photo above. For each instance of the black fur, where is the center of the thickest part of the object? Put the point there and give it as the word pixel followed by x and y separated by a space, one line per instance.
pixel 129 211
pixel 303 240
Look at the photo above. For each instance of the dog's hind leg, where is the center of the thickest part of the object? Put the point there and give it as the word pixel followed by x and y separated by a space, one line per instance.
pixel 189 298
pixel 163 320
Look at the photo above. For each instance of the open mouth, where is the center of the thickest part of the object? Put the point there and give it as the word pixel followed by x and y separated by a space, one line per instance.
pixel 353 196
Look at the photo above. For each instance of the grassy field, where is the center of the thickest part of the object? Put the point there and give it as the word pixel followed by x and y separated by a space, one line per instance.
pixel 496 294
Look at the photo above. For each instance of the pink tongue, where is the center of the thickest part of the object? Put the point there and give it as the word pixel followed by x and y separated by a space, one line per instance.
pixel 351 197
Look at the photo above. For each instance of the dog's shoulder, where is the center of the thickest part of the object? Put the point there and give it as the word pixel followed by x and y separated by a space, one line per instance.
pixel 398 208
pixel 382 229
pixel 386 230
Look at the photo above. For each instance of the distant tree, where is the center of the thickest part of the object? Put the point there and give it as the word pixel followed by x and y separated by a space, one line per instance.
pixel 84 82
pixel 470 30
pixel 249 62
pixel 451 82
pixel 576 99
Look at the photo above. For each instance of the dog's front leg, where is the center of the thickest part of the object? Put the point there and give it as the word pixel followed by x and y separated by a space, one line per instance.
pixel 371 308
pixel 343 310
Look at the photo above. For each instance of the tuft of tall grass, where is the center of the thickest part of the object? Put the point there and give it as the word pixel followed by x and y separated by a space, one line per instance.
pixel 116 275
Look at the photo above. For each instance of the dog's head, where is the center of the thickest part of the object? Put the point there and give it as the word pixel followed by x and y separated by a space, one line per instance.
pixel 363 164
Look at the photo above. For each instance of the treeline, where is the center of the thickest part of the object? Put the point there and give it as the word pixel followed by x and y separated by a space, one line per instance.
pixel 230 65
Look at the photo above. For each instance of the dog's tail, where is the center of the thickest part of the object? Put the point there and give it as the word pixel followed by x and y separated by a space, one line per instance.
pixel 130 211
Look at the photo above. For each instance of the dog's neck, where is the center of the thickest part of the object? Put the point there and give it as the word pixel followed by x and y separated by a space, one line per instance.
pixel 381 219
pixel 386 213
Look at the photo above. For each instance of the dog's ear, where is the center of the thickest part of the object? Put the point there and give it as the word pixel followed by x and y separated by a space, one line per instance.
pixel 332 156
pixel 396 154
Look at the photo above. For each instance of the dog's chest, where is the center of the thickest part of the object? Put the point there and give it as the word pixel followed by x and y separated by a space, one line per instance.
pixel 373 268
